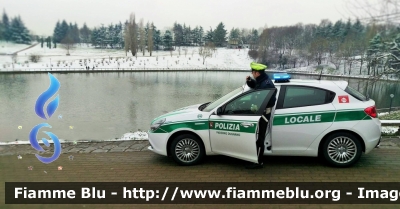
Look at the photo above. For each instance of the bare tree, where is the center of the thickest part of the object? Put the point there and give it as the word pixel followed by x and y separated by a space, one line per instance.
pixel 205 51
pixel 317 49
pixel 336 59
pixel 375 12
pixel 263 47
pixel 388 57
pixel 127 39
pixel 185 50
pixel 142 37
pixel 68 44
pixel 150 43
pixel 131 42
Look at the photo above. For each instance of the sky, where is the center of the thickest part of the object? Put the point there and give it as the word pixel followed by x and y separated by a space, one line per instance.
pixel 41 16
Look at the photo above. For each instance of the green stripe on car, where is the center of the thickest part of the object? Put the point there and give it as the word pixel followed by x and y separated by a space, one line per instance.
pixel 279 119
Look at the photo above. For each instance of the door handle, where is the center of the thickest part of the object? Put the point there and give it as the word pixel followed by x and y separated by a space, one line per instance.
pixel 246 125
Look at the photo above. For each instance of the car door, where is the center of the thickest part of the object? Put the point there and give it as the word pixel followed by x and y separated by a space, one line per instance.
pixel 302 113
pixel 233 129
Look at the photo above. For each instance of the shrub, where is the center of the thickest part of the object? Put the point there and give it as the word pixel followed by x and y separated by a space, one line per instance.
pixel 35 58
pixel 253 54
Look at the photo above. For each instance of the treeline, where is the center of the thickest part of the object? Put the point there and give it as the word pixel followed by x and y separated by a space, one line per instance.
pixel 372 48
pixel 14 30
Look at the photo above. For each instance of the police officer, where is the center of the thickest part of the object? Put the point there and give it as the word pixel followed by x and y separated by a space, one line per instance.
pixel 262 81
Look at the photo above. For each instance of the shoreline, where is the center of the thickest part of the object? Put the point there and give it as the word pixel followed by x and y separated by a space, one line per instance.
pixel 129 70
pixel 124 146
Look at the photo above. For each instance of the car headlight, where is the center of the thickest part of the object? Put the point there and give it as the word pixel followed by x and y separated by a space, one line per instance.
pixel 157 124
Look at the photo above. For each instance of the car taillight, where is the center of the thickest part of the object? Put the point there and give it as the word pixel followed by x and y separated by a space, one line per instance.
pixel 371 111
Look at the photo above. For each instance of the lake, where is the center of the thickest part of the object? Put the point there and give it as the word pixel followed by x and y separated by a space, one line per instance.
pixel 99 106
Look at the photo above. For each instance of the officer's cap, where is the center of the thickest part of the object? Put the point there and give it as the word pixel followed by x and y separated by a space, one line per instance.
pixel 257 66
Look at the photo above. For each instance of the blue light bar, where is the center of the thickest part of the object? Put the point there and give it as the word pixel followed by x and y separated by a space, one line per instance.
pixel 281 77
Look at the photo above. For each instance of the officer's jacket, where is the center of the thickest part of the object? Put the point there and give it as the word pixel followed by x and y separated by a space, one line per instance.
pixel 263 82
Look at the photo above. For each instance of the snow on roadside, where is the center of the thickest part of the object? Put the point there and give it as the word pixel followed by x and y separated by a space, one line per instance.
pixel 390 129
pixel 382 114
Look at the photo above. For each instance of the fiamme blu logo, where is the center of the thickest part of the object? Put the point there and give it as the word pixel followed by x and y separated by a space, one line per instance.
pixel 51 108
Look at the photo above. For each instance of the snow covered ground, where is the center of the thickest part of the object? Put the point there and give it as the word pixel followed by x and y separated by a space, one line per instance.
pixel 114 59
pixel 83 56
pixel 9 47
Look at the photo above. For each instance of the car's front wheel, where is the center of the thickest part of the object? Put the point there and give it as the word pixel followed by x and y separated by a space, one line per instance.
pixel 342 149
pixel 187 149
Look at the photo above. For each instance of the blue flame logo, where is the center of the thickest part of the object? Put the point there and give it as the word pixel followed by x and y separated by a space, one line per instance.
pixel 51 108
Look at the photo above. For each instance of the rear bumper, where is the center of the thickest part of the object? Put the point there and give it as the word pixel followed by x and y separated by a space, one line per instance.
pixel 379 143
pixel 371 144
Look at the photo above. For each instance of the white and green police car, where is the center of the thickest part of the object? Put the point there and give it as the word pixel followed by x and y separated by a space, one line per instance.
pixel 310 118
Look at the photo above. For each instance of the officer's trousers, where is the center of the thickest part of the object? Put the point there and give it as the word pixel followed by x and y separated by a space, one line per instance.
pixel 261 137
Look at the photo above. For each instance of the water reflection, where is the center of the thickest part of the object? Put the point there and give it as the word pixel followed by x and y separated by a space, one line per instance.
pixel 107 105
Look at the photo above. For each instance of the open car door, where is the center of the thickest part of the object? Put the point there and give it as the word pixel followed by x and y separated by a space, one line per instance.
pixel 233 127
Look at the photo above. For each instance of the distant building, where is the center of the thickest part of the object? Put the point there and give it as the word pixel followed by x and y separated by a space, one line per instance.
pixel 233 44
pixel 237 44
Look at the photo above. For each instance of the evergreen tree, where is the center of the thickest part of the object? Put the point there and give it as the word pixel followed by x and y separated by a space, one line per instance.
pixel 337 29
pixel 49 42
pixel 6 26
pixel 57 33
pixel 64 30
pixel 346 29
pixel 75 33
pixel 167 39
pixel 178 34
pixel 119 36
pixel 85 33
pixel 375 45
pixel 156 37
pixel 18 32
pixel 254 36
pixel 219 36
pixel 200 36
pixel 95 37
pixel 358 28
pixel 209 37
pixel 234 34
pixel 195 31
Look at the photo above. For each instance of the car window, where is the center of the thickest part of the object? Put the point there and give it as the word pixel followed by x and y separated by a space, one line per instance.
pixel 356 94
pixel 299 96
pixel 219 101
pixel 246 104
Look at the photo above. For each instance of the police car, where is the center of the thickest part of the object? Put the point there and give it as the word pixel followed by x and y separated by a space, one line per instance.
pixel 311 118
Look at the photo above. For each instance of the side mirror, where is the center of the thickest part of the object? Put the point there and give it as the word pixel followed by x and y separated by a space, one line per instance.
pixel 218 111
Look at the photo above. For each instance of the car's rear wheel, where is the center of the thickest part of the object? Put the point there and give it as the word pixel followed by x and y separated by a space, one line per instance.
pixel 342 149
pixel 187 149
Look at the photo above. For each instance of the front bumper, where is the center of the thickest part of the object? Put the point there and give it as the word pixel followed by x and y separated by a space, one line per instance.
pixel 158 143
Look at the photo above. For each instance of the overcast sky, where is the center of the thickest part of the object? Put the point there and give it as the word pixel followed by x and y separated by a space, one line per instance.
pixel 41 16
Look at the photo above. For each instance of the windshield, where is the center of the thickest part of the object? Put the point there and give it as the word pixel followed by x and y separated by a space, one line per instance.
pixel 219 101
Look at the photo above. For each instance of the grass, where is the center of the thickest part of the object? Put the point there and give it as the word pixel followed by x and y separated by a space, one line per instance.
pixel 394 115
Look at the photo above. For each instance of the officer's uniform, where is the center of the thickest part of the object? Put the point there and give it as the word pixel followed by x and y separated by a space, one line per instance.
pixel 262 82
